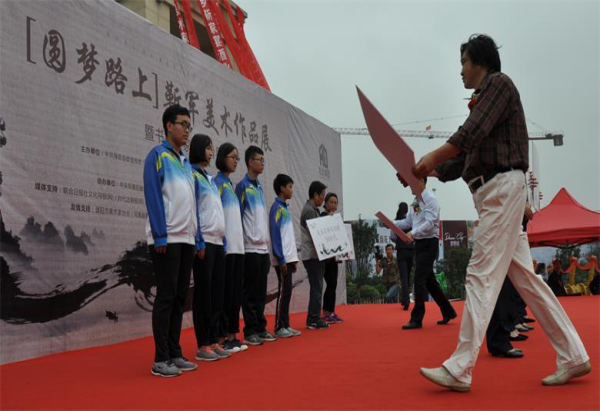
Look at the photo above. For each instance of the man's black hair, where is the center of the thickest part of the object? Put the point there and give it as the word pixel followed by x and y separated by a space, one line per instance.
pixel 316 187
pixel 171 113
pixel 224 150
pixel 281 180
pixel 251 152
pixel 389 245
pixel 482 51
pixel 198 148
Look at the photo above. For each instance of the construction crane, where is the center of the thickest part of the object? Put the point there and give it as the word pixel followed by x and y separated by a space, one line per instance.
pixel 557 138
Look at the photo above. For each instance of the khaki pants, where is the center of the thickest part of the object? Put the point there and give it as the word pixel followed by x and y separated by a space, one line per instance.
pixel 501 248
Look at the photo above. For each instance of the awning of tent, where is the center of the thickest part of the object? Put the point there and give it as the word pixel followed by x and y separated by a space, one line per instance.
pixel 563 223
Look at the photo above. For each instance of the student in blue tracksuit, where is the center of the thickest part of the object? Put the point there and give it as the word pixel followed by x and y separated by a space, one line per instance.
pixel 227 161
pixel 256 244
pixel 209 266
pixel 285 254
pixel 172 231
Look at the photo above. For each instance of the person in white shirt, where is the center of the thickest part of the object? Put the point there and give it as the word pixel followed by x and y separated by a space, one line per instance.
pixel 423 219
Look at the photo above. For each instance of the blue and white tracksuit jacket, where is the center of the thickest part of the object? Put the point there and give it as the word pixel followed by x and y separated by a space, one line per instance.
pixel 254 216
pixel 283 239
pixel 234 232
pixel 169 191
pixel 210 209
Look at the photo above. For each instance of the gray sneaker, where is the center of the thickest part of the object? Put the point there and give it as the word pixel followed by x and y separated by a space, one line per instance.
pixel 206 354
pixel 165 369
pixel 184 364
pixel 266 336
pixel 253 340
pixel 283 333
pixel 295 333
pixel 220 351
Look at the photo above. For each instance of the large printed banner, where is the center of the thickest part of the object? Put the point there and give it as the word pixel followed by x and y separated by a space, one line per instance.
pixel 82 90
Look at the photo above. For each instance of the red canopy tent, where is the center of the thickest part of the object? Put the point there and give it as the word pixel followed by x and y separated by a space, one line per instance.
pixel 563 223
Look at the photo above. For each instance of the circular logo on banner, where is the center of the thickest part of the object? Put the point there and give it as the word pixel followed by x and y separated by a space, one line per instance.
pixel 323 162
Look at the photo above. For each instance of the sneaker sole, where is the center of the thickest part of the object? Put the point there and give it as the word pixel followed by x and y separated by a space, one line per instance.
pixel 243 348
pixel 207 359
pixel 285 336
pixel 158 374
pixel 188 369
pixel 252 343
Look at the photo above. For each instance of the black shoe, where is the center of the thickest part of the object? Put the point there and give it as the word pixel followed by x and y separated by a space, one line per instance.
pixel 446 320
pixel 317 325
pixel 412 325
pixel 518 338
pixel 524 329
pixel 514 353
pixel 405 307
pixel 528 320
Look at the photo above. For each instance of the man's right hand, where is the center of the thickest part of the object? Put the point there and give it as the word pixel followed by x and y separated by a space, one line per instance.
pixel 201 253
pixel 425 166
pixel 283 269
pixel 404 183
pixel 161 250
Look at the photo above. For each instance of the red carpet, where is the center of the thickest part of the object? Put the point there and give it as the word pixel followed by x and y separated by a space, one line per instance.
pixel 366 363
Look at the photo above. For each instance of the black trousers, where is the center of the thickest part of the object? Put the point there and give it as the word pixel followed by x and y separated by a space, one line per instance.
pixel 426 251
pixel 497 336
pixel 209 283
pixel 331 279
pixel 172 272
pixel 314 270
pixel 405 262
pixel 254 293
pixel 284 296
pixel 232 300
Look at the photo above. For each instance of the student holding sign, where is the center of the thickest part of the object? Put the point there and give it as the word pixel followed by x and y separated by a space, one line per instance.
pixel 310 259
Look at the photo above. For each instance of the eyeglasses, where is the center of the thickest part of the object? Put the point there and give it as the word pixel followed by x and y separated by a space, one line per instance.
pixel 260 160
pixel 234 158
pixel 184 124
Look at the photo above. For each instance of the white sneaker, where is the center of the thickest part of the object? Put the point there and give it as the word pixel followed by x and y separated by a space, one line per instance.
pixel 296 333
pixel 441 376
pixel 283 333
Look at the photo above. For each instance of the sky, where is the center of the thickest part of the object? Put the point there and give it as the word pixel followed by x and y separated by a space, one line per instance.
pixel 405 57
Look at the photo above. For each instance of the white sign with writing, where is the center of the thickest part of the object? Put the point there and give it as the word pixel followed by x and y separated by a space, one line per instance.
pixel 350 254
pixel 329 236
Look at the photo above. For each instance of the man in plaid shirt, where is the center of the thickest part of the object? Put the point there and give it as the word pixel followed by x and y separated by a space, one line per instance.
pixel 490 152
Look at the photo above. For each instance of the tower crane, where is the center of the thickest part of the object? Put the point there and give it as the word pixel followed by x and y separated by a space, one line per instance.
pixel 557 138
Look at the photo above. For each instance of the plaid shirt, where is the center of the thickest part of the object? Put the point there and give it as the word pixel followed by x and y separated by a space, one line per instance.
pixel 494 136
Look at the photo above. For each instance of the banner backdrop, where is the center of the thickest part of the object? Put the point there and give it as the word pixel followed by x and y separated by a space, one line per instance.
pixel 82 90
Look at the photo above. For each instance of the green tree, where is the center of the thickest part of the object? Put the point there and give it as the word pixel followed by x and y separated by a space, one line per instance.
pixel 594 249
pixel 456 261
pixel 365 237
pixel 352 293
pixel 564 254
